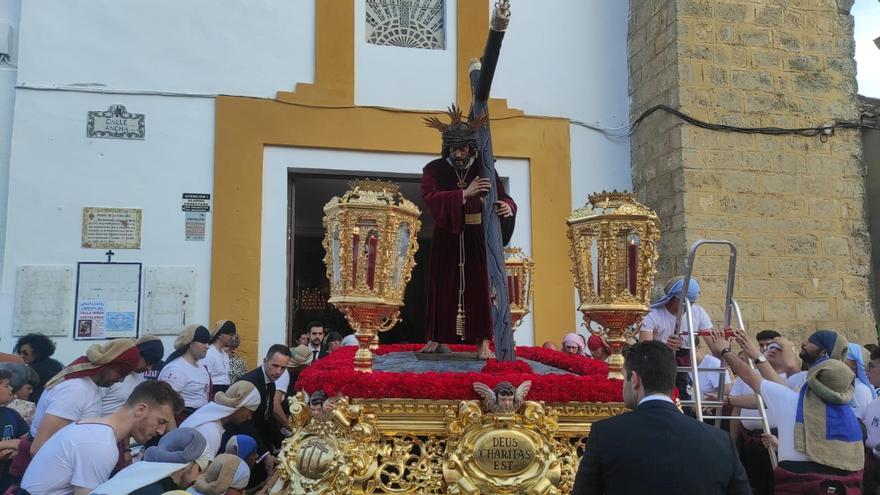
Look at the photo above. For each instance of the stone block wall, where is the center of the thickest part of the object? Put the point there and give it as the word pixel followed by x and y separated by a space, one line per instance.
pixel 795 206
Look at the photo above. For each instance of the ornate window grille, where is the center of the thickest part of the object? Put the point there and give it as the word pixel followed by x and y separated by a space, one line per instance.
pixel 407 23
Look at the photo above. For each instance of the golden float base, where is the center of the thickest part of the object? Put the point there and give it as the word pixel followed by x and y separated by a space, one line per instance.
pixel 408 446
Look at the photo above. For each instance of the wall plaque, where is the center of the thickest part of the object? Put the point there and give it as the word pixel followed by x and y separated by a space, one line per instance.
pixel 114 228
pixel 117 123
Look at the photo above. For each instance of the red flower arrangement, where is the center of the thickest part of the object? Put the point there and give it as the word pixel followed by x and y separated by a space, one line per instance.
pixel 503 367
pixel 587 382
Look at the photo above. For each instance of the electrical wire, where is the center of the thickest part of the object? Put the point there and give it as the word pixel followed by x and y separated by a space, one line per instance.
pixel 822 131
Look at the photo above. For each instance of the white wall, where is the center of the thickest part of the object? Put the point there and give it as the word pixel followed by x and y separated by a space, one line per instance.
pixel 276 163
pixel 404 77
pixel 10 12
pixel 57 170
pixel 251 48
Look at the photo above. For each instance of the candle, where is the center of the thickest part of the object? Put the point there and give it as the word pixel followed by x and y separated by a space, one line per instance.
pixel 632 256
pixel 372 240
pixel 355 252
pixel 516 289
pixel 510 290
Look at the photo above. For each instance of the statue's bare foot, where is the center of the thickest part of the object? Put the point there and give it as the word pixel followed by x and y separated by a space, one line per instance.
pixel 443 349
pixel 485 352
pixel 430 347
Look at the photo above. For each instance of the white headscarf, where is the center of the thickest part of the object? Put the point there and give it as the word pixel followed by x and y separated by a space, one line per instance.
pixel 207 419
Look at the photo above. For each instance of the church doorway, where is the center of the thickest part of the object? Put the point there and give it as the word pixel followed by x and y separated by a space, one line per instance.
pixel 308 289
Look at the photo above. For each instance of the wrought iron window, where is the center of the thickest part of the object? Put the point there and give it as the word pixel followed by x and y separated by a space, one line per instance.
pixel 407 23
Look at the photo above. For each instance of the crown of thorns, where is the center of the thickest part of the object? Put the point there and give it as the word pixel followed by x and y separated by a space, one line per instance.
pixel 458 124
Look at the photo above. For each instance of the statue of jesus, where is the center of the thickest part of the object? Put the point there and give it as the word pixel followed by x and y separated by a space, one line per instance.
pixel 473 220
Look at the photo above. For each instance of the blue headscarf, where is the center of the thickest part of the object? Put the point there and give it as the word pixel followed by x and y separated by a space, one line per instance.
pixel 855 352
pixel 673 289
pixel 834 344
pixel 241 445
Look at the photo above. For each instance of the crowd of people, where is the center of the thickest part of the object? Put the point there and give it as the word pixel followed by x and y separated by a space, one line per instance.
pixel 124 418
pixel 819 399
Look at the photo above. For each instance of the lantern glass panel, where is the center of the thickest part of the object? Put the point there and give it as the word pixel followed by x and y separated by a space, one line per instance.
pixel 400 255
pixel 335 248
pixel 371 251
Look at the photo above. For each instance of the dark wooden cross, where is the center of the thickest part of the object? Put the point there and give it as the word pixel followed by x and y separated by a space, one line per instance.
pixel 481 76
pixel 110 254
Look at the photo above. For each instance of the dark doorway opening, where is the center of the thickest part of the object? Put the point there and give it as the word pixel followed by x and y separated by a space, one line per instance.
pixel 308 288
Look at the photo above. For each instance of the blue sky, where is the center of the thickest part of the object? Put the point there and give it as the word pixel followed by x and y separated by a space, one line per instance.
pixel 867 17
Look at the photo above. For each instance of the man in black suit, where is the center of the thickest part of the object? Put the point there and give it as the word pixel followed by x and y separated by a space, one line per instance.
pixel 655 448
pixel 262 425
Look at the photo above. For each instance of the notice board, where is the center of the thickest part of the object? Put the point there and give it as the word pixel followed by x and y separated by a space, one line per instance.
pixel 108 297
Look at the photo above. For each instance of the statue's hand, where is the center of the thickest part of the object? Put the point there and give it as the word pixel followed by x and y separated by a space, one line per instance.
pixel 477 187
pixel 500 16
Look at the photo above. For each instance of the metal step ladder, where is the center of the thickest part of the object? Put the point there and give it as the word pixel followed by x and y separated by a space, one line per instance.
pixel 731 311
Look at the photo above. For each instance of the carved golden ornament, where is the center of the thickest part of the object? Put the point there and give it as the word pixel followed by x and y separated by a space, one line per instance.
pixel 618 235
pixel 417 443
pixel 370 240
pixel 333 449
pixel 501 452
pixel 519 268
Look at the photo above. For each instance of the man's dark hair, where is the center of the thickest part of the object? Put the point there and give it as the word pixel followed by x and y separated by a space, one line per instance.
pixel 5 375
pixel 871 348
pixel 655 364
pixel 279 349
pixel 875 353
pixel 156 392
pixel 313 324
pixel 767 335
pixel 42 346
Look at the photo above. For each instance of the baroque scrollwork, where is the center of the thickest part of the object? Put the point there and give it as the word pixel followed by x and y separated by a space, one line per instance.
pixel 433 447
pixel 512 452
pixel 334 447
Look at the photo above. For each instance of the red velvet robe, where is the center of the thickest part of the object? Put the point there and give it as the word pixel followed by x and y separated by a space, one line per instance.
pixel 444 200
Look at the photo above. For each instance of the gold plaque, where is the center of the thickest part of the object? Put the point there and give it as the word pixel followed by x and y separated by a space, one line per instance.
pixel 504 452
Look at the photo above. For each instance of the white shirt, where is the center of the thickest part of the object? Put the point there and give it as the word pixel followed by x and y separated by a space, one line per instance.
pixel 78 455
pixel 740 388
pixel 217 363
pixel 862 397
pixel 662 323
pixel 114 396
pixel 282 382
pixel 73 400
pixel 871 418
pixel 781 404
pixel 796 381
pixel 191 382
pixel 709 380
pixel 655 397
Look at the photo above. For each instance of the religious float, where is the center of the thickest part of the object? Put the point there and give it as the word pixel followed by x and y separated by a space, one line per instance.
pixel 386 419
pixel 377 419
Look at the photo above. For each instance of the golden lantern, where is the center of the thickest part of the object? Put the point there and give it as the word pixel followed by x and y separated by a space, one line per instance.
pixel 615 237
pixel 369 243
pixel 519 269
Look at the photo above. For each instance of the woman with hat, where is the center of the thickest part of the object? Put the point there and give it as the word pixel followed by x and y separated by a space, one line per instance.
pixel 184 374
pixel 235 406
pixel 227 475
pixel 217 359
pixel 599 349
